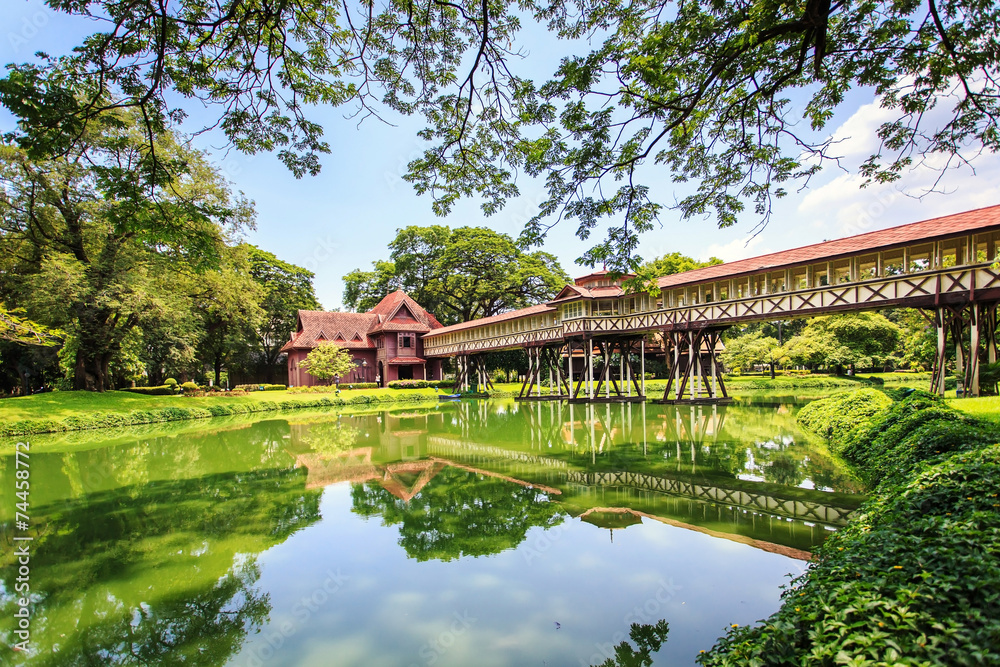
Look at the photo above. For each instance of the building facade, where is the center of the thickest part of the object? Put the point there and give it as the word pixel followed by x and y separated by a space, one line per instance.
pixel 386 343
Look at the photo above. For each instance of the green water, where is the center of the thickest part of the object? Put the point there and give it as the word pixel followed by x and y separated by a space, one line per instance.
pixel 464 533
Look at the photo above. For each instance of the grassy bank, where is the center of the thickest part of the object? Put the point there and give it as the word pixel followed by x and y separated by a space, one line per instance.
pixel 914 579
pixel 75 410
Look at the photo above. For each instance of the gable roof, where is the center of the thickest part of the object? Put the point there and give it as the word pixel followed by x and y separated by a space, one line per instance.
pixel 350 330
pixel 927 230
pixel 390 305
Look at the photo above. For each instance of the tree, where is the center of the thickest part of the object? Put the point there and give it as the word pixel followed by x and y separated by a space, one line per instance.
pixel 457 274
pixel 327 361
pixel 862 340
pixel 747 351
pixel 90 238
pixel 20 330
pixel 286 289
pixel 731 97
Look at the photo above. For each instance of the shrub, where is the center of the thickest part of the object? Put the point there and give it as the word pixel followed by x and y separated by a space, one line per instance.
pixel 408 384
pixel 190 386
pixel 165 390
pixel 360 385
pixel 914 579
pixel 836 416
pixel 170 382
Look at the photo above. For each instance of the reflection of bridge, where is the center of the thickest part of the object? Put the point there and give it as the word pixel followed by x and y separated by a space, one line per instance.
pixel 813 509
pixel 942 266
pixel 805 510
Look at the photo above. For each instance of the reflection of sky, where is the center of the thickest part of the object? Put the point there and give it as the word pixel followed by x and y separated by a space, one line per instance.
pixel 503 609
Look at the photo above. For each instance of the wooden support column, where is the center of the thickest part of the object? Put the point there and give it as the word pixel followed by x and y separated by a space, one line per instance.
pixel 937 381
pixel 972 378
pixel 642 368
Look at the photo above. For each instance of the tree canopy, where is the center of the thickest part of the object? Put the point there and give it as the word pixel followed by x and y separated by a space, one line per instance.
pixel 732 98
pixel 327 361
pixel 457 274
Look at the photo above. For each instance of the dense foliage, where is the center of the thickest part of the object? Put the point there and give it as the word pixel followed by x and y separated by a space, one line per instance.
pixel 457 274
pixel 914 579
pixel 838 415
pixel 732 98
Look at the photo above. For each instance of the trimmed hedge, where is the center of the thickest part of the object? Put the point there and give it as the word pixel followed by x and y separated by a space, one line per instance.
pixel 837 415
pixel 96 420
pixel 164 390
pixel 260 387
pixel 420 384
pixel 914 579
pixel 329 388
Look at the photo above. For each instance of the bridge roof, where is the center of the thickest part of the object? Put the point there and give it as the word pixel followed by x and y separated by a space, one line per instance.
pixel 502 317
pixel 927 230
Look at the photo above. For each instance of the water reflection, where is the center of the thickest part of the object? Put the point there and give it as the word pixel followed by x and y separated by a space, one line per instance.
pixel 548 523
pixel 754 478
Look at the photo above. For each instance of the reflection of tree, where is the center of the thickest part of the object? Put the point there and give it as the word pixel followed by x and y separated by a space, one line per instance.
pixel 783 468
pixel 204 627
pixel 647 638
pixel 328 439
pixel 161 573
pixel 459 514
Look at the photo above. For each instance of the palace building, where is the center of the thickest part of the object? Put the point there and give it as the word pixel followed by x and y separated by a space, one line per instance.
pixel 386 343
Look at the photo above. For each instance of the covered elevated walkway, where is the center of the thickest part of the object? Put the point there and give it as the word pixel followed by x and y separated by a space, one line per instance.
pixel 944 267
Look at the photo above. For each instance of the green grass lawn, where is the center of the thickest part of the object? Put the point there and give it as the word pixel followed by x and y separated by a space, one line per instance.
pixel 986 407
pixel 62 404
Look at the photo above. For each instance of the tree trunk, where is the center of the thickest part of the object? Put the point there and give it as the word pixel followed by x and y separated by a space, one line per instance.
pixel 772 370
pixel 218 370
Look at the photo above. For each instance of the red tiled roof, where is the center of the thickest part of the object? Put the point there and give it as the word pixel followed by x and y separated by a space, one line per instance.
pixel 502 317
pixel 332 326
pixel 406 360
pixel 344 328
pixel 388 306
pixel 949 225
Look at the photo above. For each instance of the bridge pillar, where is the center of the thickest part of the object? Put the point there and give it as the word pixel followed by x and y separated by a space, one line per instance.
pixel 950 323
pixel 618 387
pixel 544 360
pixel 690 352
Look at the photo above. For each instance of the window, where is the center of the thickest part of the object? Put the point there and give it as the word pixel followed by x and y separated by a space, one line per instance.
pixel 776 282
pixel 893 263
pixel 571 310
pixel 821 275
pixel 406 340
pixel 723 290
pixel 677 299
pixel 800 280
pixel 841 271
pixel 868 266
pixel 921 257
pixel 952 253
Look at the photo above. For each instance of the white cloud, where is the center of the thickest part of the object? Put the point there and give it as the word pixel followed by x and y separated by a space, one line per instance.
pixel 739 248
pixel 841 207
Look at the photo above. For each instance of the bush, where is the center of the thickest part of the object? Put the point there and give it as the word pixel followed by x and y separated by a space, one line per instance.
pixel 165 390
pixel 360 385
pixel 409 384
pixel 190 386
pixel 836 416
pixel 914 578
pixel 260 387
pixel 170 382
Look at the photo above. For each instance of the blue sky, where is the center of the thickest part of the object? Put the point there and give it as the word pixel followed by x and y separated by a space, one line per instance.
pixel 343 218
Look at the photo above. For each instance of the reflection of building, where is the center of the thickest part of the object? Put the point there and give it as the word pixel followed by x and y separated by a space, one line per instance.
pixel 386 342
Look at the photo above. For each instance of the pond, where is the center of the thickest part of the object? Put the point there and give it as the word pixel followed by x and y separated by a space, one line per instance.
pixel 459 533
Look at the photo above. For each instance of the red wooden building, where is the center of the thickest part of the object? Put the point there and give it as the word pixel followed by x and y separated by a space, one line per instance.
pixel 386 342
